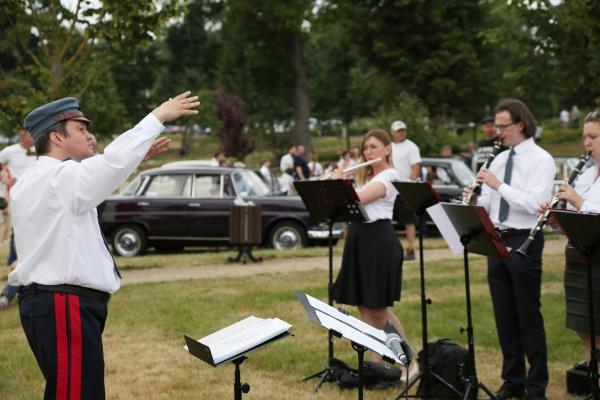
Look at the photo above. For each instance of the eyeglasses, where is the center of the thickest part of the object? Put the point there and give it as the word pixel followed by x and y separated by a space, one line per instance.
pixel 503 127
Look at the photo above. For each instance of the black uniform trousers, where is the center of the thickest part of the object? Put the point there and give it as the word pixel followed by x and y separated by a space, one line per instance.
pixel 64 332
pixel 515 286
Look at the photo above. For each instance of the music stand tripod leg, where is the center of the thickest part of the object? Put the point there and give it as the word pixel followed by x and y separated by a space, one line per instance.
pixel 326 373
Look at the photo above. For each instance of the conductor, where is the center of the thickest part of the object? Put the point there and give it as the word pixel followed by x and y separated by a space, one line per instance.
pixel 65 268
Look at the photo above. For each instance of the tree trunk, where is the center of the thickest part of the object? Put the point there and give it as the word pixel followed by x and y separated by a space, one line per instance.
pixel 186 138
pixel 301 106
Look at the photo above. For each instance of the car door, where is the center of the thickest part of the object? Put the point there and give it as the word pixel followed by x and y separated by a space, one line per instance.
pixel 165 205
pixel 213 195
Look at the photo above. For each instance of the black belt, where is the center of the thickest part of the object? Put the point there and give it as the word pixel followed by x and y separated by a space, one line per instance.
pixel 510 232
pixel 72 289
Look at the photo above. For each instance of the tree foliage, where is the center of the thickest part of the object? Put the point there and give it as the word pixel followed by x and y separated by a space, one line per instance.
pixel 234 138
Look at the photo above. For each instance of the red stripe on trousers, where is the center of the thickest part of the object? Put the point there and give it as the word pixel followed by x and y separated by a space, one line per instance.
pixel 63 362
pixel 62 347
pixel 75 346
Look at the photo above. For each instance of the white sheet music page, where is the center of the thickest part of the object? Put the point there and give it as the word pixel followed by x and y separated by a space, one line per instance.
pixel 347 319
pixel 242 336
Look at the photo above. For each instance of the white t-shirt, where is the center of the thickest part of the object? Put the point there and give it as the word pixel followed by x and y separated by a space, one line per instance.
pixel 382 208
pixel 404 155
pixel 15 156
pixel 287 162
pixel 316 169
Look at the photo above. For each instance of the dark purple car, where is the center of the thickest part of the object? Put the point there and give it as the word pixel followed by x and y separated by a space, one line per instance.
pixel 177 206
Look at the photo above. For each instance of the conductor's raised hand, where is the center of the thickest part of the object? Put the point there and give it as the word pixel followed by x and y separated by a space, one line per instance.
pixel 180 105
pixel 160 145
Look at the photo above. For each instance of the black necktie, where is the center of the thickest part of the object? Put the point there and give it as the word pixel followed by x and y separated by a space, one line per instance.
pixel 503 214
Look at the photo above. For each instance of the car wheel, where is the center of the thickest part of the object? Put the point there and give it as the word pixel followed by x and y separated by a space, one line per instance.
pixel 287 235
pixel 129 241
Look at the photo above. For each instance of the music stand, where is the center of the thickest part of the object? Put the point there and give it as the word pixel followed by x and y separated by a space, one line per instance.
pixel 362 335
pixel 330 201
pixel 261 332
pixel 583 231
pixel 477 235
pixel 419 196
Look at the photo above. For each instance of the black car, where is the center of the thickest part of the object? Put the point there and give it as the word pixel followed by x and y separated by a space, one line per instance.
pixel 185 205
pixel 447 175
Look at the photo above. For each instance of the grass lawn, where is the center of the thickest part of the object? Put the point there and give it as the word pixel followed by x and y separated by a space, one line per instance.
pixel 144 334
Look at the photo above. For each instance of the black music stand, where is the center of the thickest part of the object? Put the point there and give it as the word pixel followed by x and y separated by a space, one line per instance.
pixel 330 201
pixel 583 231
pixel 419 196
pixel 203 352
pixel 477 235
pixel 362 336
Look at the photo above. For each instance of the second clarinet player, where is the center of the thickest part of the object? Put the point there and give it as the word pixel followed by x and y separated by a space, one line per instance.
pixel 583 196
pixel 514 185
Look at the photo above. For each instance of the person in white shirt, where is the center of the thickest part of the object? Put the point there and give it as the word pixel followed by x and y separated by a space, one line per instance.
pixel 315 167
pixel 64 266
pixel 16 157
pixel 286 164
pixel 583 196
pixel 517 181
pixel 371 272
pixel 406 157
pixel 218 160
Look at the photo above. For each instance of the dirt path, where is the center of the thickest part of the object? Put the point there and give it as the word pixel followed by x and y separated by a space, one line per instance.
pixel 552 247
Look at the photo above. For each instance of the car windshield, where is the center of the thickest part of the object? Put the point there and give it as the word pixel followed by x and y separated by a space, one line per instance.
pixel 132 187
pixel 463 174
pixel 248 184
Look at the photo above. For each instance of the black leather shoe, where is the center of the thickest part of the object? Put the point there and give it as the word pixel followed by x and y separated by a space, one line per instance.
pixel 510 394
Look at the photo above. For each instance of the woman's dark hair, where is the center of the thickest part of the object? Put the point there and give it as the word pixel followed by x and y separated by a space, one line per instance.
pixel 42 144
pixel 518 113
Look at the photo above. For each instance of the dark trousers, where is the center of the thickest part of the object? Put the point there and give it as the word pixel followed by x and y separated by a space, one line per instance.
pixel 515 286
pixel 64 332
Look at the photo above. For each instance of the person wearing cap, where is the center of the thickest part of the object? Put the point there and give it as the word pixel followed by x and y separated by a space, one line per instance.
pixel 65 268
pixel 516 182
pixel 406 158
pixel 489 133
pixel 16 157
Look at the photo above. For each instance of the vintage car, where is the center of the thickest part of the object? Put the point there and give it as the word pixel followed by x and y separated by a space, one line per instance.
pixel 447 175
pixel 188 205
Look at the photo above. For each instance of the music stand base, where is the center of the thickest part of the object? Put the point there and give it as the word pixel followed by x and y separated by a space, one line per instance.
pixel 244 254
pixel 325 375
pixel 238 387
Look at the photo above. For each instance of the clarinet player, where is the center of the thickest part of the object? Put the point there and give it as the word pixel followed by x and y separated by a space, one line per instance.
pixel 515 184
pixel 583 196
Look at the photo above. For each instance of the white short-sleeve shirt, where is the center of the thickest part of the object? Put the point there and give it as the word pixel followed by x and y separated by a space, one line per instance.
pixel 382 208
pixel 588 187
pixel 404 155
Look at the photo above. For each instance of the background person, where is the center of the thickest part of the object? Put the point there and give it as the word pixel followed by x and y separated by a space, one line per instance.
pixel 371 273
pixel 315 167
pixel 406 158
pixel 65 267
pixel 584 196
pixel 16 158
pixel 515 184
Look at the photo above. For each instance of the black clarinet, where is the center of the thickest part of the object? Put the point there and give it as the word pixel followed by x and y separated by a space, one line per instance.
pixel 476 189
pixel 555 202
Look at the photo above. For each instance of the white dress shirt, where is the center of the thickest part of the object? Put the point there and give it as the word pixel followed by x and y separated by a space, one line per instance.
pixel 404 155
pixel 382 208
pixel 286 162
pixel 55 222
pixel 531 184
pixel 15 156
pixel 588 187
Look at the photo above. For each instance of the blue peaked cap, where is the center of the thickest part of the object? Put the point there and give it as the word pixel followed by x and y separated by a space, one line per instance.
pixel 39 120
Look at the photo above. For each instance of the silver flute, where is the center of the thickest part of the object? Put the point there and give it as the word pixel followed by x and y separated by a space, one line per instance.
pixel 543 218
pixel 355 167
pixel 476 188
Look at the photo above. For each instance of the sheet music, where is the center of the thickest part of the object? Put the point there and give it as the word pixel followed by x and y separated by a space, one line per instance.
pixel 242 336
pixel 347 319
pixel 444 225
pixel 350 333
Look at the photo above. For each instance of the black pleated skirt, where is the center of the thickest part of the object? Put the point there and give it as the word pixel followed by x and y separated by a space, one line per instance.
pixel 576 294
pixel 371 273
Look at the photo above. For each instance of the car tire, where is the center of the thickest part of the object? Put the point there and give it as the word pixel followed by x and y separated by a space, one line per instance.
pixel 288 235
pixel 129 241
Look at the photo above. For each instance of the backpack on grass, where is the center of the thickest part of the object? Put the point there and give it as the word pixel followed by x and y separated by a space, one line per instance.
pixel 375 375
pixel 449 361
